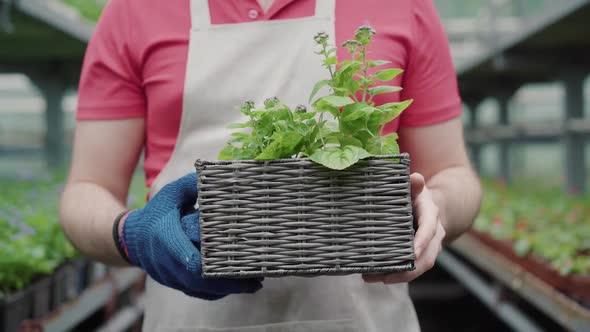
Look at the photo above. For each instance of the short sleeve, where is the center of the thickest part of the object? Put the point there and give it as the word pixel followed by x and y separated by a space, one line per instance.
pixel 430 77
pixel 110 84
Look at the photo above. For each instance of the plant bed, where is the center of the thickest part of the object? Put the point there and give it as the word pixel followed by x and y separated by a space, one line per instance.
pixel 541 229
pixel 319 192
pixel 574 285
pixel 14 308
pixel 295 217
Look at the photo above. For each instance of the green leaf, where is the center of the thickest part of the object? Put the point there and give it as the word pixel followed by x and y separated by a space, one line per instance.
pixel 323 106
pixel 229 152
pixel 339 157
pixel 388 74
pixel 338 101
pixel 353 120
pixel 383 89
pixel 305 116
pixel 383 145
pixel 330 60
pixel 354 115
pixel 353 108
pixel 375 120
pixel 332 138
pixel 317 88
pixel 348 65
pixel 344 140
pixel 375 63
pixel 352 87
pixel 393 110
pixel 284 145
pixel 344 75
pixel 329 127
pixel 271 151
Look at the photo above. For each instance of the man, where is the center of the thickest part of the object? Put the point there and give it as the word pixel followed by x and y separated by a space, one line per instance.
pixel 166 76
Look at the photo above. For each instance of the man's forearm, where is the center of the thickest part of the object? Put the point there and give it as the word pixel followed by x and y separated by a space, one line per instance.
pixel 457 192
pixel 87 212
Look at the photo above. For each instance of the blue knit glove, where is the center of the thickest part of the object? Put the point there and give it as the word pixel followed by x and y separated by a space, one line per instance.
pixel 163 239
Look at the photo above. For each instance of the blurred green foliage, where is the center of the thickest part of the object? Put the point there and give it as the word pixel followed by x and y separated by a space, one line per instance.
pixel 90 9
pixel 542 221
pixel 473 8
pixel 31 239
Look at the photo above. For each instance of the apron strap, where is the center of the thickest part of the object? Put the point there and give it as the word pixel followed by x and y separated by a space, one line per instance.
pixel 325 8
pixel 200 15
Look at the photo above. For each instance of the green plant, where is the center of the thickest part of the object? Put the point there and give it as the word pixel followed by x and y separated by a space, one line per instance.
pixel 345 125
pixel 32 242
pixel 90 9
pixel 539 221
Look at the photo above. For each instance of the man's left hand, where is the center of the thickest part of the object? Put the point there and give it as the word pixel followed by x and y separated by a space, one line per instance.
pixel 428 239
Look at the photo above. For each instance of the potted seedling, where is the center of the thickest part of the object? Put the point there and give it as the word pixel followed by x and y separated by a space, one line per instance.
pixel 317 191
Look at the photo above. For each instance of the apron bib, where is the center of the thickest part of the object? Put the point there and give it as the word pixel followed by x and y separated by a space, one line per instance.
pixel 227 65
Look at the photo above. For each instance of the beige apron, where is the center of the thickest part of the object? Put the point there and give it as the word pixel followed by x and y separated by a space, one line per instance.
pixel 228 64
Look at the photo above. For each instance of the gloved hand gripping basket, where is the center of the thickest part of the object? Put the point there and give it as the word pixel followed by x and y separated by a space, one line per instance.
pixel 302 195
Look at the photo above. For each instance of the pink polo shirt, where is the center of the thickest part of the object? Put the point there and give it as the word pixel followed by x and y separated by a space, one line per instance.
pixel 135 62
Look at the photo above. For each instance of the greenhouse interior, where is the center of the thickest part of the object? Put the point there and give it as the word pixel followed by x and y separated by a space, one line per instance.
pixel 522 68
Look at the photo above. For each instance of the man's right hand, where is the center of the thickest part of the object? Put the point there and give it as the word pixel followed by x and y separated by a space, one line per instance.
pixel 163 239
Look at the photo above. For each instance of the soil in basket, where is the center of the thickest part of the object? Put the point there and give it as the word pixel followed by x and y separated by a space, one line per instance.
pixel 14 308
pixel 578 287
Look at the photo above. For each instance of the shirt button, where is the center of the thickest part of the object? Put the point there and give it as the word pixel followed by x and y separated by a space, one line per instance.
pixel 253 14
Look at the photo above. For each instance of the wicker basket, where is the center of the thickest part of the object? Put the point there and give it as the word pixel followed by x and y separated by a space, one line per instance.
pixel 293 217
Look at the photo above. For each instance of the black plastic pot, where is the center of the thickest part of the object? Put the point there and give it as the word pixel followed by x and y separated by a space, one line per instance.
pixel 41 293
pixel 14 308
pixel 58 287
pixel 80 266
pixel 84 280
pixel 74 276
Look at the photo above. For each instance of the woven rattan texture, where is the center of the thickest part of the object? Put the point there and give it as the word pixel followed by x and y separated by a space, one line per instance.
pixel 295 217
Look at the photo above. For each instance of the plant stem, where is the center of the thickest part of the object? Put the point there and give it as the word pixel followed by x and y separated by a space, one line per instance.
pixel 325 52
pixel 320 123
pixel 320 130
pixel 365 84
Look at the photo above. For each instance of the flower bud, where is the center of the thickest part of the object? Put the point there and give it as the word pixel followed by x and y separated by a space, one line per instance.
pixel 247 106
pixel 300 109
pixel 364 33
pixel 271 102
pixel 321 37
pixel 351 45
